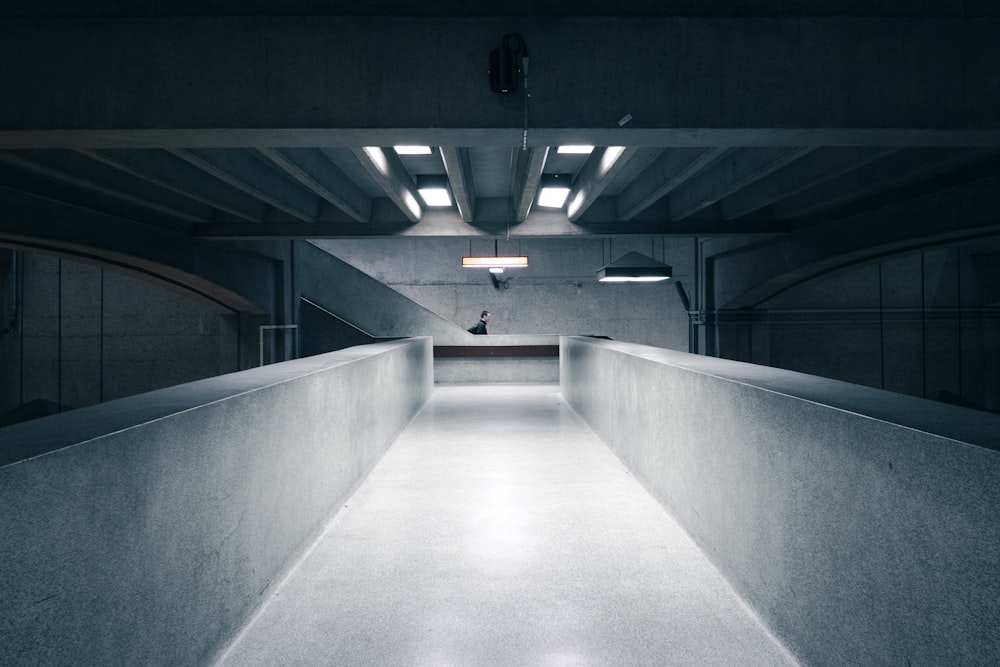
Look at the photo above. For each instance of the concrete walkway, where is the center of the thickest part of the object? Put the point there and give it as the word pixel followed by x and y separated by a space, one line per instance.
pixel 498 530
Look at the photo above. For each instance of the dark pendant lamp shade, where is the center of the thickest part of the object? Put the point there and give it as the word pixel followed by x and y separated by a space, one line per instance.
pixel 634 267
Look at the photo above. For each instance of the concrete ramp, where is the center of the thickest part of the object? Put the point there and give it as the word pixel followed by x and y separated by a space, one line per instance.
pixel 499 530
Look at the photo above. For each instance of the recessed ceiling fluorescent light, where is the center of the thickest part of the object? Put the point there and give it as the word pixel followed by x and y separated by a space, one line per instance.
pixel 434 190
pixel 412 150
pixel 435 196
pixel 575 149
pixel 553 197
pixel 554 190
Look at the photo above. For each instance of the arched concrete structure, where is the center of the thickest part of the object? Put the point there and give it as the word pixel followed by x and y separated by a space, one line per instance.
pixel 226 276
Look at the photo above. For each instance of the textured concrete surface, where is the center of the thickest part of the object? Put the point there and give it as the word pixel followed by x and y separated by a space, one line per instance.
pixel 144 531
pixel 498 530
pixel 334 285
pixel 874 63
pixel 84 335
pixel 497 367
pixel 557 293
pixel 920 324
pixel 864 526
pixel 514 370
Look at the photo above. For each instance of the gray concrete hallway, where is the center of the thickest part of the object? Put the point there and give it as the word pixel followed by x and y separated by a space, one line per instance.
pixel 499 530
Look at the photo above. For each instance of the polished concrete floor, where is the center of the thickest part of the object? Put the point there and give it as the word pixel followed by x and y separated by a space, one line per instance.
pixel 499 530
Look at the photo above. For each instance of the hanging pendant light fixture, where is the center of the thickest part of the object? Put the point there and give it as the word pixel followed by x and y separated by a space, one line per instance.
pixel 634 267
pixel 494 262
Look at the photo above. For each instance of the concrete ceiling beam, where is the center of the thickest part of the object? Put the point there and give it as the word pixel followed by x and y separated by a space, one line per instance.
pixel 597 174
pixel 169 172
pixel 247 173
pixel 812 170
pixel 502 137
pixel 312 169
pixel 528 168
pixel 893 170
pixel 670 170
pixel 216 274
pixel 73 169
pixel 389 172
pixel 492 223
pixel 771 76
pixel 737 170
pixel 458 167
pixel 748 276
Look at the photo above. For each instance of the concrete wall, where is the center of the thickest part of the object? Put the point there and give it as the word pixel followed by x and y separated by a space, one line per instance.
pixel 925 324
pixel 862 526
pixel 499 359
pixel 84 334
pixel 361 301
pixel 144 531
pixel 557 293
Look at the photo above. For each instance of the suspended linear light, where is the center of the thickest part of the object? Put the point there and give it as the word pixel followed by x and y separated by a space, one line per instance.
pixel 634 267
pixel 496 263
pixel 486 262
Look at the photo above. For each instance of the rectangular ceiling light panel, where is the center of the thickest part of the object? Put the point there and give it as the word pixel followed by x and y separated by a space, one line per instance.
pixel 412 150
pixel 435 196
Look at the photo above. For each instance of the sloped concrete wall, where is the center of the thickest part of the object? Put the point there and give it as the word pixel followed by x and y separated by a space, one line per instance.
pixel 362 301
pixel 863 526
pixel 144 531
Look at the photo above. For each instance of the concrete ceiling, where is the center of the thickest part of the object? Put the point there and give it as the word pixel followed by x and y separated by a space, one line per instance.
pixel 105 8
pixel 226 120
pixel 266 191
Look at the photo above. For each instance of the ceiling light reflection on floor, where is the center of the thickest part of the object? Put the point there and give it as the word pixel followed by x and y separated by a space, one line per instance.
pixel 504 525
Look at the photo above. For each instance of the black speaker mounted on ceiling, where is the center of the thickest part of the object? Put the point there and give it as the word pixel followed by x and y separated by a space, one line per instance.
pixel 506 63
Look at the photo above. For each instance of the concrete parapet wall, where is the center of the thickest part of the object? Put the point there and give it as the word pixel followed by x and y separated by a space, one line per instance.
pixel 862 526
pixel 144 531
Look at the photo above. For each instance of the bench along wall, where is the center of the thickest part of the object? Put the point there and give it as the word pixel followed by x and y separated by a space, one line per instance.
pixel 144 531
pixel 862 526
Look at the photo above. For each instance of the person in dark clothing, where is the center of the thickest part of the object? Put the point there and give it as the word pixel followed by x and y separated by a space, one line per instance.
pixel 480 327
